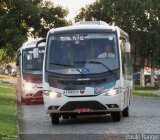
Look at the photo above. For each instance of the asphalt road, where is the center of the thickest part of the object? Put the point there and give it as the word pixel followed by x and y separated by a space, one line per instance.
pixel 144 119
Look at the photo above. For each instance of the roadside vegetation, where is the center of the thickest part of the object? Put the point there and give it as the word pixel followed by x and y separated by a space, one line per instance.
pixel 5 77
pixel 8 110
pixel 146 91
pixel 8 116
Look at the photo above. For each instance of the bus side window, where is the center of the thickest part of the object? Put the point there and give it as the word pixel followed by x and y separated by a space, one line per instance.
pixel 126 59
pixel 122 46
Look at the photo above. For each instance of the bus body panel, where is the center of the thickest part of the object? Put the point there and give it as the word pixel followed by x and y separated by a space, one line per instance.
pixel 29 82
pixel 60 78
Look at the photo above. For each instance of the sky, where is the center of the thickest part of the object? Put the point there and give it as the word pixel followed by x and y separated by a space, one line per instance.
pixel 73 6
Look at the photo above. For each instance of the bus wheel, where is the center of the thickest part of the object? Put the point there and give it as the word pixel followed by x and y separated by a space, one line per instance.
pixel 125 112
pixel 116 116
pixel 55 118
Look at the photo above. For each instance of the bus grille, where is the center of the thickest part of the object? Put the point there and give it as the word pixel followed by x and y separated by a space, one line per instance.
pixel 93 105
pixel 96 82
pixel 38 94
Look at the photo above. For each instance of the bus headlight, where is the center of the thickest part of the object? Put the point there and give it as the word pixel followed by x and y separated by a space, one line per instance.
pixel 29 87
pixel 52 94
pixel 112 92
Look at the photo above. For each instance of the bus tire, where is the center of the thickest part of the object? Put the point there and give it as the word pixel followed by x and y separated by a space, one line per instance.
pixel 55 118
pixel 125 112
pixel 116 116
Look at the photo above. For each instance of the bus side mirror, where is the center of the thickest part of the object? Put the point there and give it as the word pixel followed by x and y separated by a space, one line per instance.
pixel 127 47
pixel 35 52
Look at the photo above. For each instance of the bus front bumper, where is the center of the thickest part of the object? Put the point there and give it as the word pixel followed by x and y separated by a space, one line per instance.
pixel 96 104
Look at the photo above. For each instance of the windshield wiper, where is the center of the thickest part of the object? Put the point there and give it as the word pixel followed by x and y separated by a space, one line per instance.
pixel 95 62
pixel 68 66
pixel 34 69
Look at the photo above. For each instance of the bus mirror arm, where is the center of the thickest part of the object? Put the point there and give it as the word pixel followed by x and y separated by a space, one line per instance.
pixel 36 50
pixel 40 41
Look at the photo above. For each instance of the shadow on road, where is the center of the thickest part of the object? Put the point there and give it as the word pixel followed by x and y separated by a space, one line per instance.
pixel 86 120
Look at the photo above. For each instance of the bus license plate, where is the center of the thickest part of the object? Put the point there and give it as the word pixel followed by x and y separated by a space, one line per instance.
pixel 82 110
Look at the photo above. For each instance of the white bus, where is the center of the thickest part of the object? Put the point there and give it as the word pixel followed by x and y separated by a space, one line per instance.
pixel 29 70
pixel 79 80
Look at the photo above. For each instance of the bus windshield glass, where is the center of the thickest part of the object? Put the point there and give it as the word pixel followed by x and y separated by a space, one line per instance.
pixel 31 64
pixel 94 52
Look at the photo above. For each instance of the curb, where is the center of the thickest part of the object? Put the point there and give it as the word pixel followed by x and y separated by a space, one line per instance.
pixel 17 123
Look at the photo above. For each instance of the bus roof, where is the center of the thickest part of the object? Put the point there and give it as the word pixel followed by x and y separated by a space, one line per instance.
pixel 87 25
pixel 32 45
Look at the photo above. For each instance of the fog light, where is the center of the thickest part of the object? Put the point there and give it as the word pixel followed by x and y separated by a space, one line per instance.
pixel 45 92
pixel 112 105
pixel 53 107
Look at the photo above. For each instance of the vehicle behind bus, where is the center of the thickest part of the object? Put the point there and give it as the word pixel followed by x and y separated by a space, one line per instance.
pixel 29 79
pixel 80 79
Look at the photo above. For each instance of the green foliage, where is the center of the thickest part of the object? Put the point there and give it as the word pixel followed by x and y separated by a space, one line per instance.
pixel 7 110
pixel 20 18
pixel 146 93
pixel 139 18
pixel 138 87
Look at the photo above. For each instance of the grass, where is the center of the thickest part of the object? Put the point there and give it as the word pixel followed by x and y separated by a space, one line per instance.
pixel 5 77
pixel 138 87
pixel 146 91
pixel 8 116
pixel 7 110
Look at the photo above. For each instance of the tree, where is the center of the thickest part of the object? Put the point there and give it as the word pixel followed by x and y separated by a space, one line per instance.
pixel 140 19
pixel 20 18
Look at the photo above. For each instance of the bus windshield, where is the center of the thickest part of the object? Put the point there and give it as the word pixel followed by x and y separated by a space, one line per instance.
pixel 31 64
pixel 94 52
